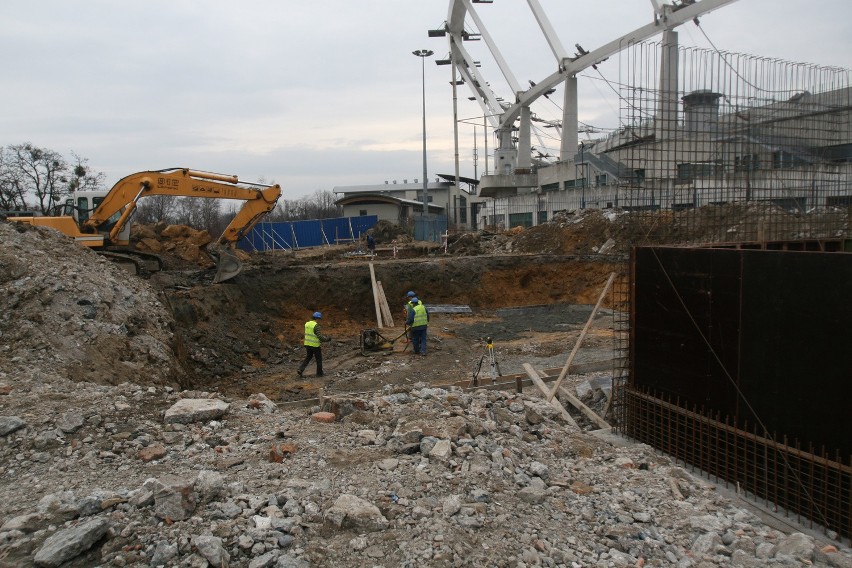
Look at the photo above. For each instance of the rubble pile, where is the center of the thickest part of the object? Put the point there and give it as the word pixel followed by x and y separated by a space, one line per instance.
pixel 179 246
pixel 611 231
pixel 66 311
pixel 418 477
pixel 105 461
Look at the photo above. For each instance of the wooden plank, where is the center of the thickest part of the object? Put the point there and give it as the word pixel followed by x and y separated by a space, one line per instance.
pixel 578 404
pixel 581 338
pixel 376 297
pixel 533 375
pixel 383 304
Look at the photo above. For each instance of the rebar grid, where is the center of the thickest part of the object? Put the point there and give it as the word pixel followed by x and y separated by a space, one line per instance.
pixel 732 151
pixel 805 483
pixel 745 149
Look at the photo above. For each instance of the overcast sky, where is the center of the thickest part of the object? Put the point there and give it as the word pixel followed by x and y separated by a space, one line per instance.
pixel 319 93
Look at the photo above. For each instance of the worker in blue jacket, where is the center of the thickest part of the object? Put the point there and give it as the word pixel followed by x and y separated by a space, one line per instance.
pixel 418 322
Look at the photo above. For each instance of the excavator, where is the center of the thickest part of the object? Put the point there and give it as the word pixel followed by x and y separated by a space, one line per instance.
pixel 99 219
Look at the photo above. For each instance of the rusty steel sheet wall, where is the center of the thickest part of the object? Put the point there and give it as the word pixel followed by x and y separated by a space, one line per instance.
pixel 759 336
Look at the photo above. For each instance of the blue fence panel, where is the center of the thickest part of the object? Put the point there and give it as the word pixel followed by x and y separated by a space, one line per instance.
pixel 308 234
pixel 302 234
pixel 267 236
pixel 430 228
pixel 360 225
pixel 337 230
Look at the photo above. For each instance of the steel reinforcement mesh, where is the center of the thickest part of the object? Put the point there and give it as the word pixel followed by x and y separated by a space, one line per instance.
pixel 725 150
pixel 806 483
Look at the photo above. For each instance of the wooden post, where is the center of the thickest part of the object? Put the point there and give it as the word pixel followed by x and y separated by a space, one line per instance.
pixel 588 325
pixel 383 304
pixel 376 297
pixel 578 404
pixel 545 391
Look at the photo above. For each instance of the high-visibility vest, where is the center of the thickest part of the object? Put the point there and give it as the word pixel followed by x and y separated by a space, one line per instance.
pixel 311 337
pixel 420 317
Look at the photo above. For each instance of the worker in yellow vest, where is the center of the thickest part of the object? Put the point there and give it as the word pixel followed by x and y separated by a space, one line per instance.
pixel 418 322
pixel 313 339
pixel 408 305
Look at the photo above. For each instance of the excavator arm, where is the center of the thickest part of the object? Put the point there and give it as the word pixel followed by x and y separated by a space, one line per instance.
pixel 259 199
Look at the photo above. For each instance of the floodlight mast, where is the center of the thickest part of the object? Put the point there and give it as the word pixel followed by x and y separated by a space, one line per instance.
pixel 423 54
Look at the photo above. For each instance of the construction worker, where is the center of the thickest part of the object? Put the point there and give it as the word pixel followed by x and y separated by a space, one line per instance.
pixel 408 298
pixel 417 321
pixel 408 305
pixel 313 339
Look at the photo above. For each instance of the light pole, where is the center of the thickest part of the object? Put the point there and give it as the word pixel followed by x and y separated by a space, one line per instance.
pixel 423 54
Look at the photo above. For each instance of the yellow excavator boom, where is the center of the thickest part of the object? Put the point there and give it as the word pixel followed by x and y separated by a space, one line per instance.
pixel 259 199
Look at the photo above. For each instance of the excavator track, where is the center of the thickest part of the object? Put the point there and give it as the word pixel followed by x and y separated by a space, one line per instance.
pixel 144 263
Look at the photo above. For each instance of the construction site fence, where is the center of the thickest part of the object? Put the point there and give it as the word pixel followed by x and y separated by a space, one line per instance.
pixel 807 484
pixel 291 235
pixel 430 228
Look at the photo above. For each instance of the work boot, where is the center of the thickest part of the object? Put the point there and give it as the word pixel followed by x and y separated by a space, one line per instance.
pixel 320 374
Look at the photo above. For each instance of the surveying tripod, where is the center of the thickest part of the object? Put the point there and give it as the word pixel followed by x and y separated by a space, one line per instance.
pixel 492 361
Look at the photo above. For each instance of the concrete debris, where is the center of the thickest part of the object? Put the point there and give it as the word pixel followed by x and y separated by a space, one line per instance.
pixel 70 543
pixel 188 410
pixel 9 424
pixel 106 461
pixel 460 477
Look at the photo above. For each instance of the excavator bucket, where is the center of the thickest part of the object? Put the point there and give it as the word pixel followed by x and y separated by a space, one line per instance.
pixel 227 265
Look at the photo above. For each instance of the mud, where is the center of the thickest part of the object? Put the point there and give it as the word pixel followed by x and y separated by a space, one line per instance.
pixel 245 335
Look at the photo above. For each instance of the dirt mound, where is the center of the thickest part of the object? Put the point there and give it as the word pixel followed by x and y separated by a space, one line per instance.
pixel 386 232
pixel 595 231
pixel 64 310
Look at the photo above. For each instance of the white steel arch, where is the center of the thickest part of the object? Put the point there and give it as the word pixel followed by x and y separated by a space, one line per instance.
pixel 502 115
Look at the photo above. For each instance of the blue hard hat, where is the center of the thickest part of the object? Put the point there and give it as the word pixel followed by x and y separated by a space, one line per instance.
pixel 414 300
pixel 410 294
pixel 317 315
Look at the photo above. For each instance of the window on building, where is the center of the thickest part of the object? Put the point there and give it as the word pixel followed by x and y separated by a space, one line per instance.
pixel 839 201
pixel 746 163
pixel 520 219
pixel 783 160
pixel 601 179
pixel 550 187
pixel 688 171
pixel 839 153
pixel 362 213
pixel 574 183
pixel 542 217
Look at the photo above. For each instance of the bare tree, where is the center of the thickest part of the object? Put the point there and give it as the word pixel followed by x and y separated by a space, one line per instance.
pixel 156 208
pixel 208 216
pixel 11 192
pixel 82 177
pixel 320 205
pixel 36 171
pixel 200 213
